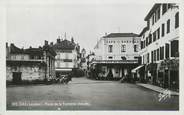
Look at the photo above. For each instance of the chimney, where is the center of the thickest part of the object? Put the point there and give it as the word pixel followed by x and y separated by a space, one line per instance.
pixel 51 43
pixel 72 40
pixel 46 42
pixel 11 44
pixel 105 34
pixel 6 44
pixel 58 40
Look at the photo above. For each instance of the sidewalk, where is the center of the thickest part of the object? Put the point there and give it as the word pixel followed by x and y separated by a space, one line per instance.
pixel 157 89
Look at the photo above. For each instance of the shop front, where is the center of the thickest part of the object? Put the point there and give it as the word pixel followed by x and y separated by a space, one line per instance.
pixel 170 73
pixel 113 70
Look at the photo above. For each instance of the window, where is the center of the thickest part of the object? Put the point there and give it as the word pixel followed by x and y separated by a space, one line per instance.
pixel 58 64
pixel 14 57
pixel 147 41
pixel 58 56
pixel 164 8
pixel 150 38
pixel 166 50
pixel 158 33
pixel 123 48
pixel 148 57
pixel 158 14
pixel 161 53
pixel 135 48
pixel 110 57
pixel 110 48
pixel 174 48
pixel 153 18
pixel 67 60
pixel 66 56
pixel 163 30
pixel 123 58
pixel 154 58
pixel 154 36
pixel 142 44
pixel 168 25
pixel 66 65
pixel 158 56
pixel 148 24
pixel 22 57
pixel 169 6
pixel 151 56
pixel 177 20
pixel 31 57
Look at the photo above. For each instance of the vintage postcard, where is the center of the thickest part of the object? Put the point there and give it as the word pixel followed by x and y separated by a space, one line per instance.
pixel 113 56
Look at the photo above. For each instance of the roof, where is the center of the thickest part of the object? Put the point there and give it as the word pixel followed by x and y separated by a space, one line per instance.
pixel 64 45
pixel 152 11
pixel 49 49
pixel 143 31
pixel 16 50
pixel 114 35
pixel 34 51
pixel 31 51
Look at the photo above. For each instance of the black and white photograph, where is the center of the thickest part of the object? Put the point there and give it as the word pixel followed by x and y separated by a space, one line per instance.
pixel 96 56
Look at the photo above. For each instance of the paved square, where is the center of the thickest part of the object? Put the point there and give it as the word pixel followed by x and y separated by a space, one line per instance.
pixel 86 94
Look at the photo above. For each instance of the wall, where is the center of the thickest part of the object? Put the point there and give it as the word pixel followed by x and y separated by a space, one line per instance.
pixel 19 57
pixel 101 49
pixel 28 72
pixel 61 56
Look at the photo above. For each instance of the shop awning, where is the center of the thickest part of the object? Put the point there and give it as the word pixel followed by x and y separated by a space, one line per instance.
pixel 135 69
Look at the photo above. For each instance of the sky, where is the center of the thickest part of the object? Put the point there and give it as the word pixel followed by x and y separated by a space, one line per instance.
pixel 31 24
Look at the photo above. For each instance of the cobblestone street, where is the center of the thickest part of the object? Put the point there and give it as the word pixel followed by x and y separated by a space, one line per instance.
pixel 86 94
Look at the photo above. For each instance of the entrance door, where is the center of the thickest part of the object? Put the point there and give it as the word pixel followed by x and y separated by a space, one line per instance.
pixel 17 77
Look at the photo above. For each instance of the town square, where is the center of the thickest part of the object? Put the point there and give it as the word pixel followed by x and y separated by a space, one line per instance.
pixel 85 57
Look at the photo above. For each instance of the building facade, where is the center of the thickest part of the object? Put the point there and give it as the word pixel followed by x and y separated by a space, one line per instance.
pixel 160 46
pixel 116 54
pixel 83 60
pixel 67 57
pixel 28 65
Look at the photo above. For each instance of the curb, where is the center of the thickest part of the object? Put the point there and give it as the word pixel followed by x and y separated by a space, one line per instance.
pixel 172 93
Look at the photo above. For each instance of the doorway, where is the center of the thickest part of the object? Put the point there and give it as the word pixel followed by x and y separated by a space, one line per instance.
pixel 17 77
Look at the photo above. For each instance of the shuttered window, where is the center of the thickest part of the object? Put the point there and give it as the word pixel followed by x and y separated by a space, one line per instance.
pixel 174 48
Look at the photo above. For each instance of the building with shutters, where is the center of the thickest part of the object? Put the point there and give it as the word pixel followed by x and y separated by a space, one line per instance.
pixel 116 54
pixel 160 46
pixel 67 58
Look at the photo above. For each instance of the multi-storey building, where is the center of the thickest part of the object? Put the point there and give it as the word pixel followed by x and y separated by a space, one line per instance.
pixel 159 45
pixel 67 57
pixel 32 64
pixel 116 54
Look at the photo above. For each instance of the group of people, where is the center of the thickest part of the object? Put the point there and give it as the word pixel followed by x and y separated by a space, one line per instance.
pixel 64 79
